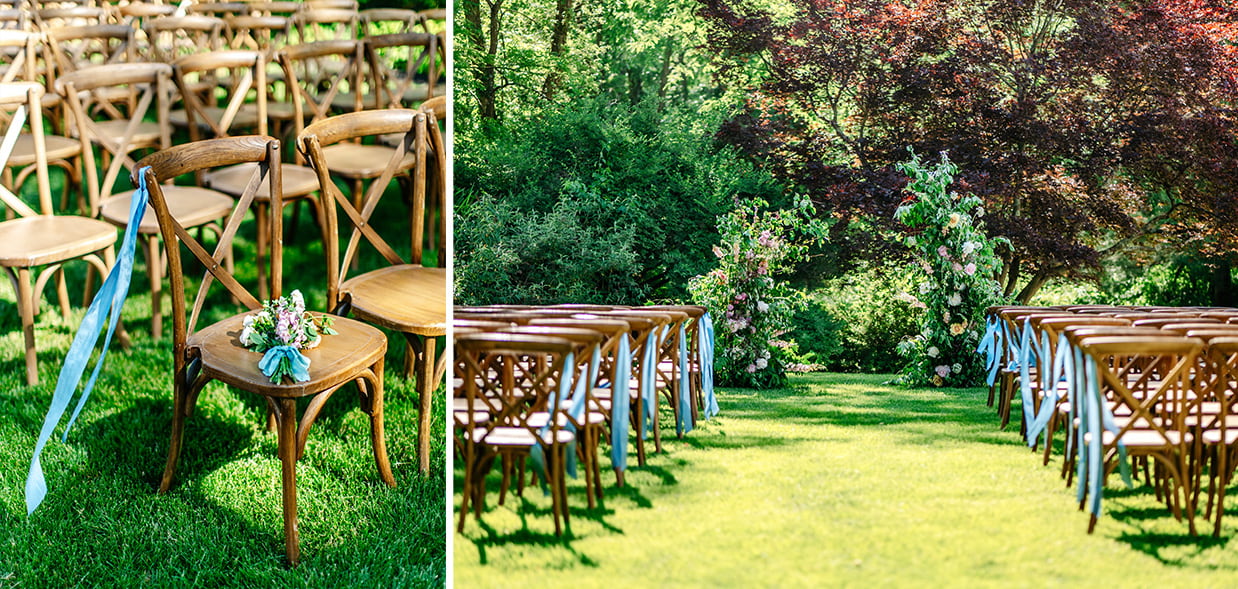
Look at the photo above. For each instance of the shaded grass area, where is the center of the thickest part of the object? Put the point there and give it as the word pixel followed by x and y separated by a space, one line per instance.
pixel 103 523
pixel 841 480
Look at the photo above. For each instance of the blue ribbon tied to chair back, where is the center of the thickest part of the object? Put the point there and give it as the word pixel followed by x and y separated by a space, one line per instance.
pixel 683 422
pixel 706 347
pixel 107 303
pixel 620 400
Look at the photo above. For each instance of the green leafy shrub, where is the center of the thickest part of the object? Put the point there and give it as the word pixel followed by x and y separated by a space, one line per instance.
pixel 855 321
pixel 632 181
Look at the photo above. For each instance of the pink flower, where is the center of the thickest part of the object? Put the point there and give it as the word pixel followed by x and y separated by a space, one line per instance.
pixel 751 368
pixel 943 252
pixel 942 371
pixel 956 267
pixel 969 269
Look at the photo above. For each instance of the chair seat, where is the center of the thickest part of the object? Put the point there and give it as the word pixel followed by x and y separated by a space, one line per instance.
pixel 1144 438
pixel 405 298
pixel 58 148
pixel 298 180
pixel 413 95
pixel 541 419
pixel 146 134
pixel 519 437
pixel 362 161
pixel 190 205
pixel 1213 436
pixel 34 241
pixel 337 360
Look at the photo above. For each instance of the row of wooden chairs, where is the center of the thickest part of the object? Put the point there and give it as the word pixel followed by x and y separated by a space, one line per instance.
pixel 529 381
pixel 1156 384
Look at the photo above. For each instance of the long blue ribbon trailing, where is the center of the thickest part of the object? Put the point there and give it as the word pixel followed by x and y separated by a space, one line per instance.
pixel 683 423
pixel 649 378
pixel 536 455
pixel 706 346
pixel 1026 361
pixel 108 303
pixel 990 348
pixel 620 404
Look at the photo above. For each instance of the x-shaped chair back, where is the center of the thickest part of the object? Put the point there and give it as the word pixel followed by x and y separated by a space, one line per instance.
pixel 245 73
pixel 22 103
pixel 309 67
pixel 326 24
pixel 395 86
pixel 420 137
pixel 403 20
pixel 257 33
pixel 18 55
pixel 74 48
pixel 191 158
pixel 174 37
pixel 97 113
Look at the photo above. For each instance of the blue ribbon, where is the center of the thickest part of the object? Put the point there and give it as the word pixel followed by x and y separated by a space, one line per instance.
pixel 683 424
pixel 282 360
pixel 1063 371
pixel 107 302
pixel 1096 419
pixel 706 347
pixel 990 348
pixel 649 377
pixel 1026 361
pixel 538 456
pixel 620 401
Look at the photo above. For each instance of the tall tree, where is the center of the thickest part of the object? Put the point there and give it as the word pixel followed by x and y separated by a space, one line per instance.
pixel 1086 126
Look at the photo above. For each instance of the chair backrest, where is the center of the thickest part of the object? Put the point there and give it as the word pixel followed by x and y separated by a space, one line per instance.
pixel 49 19
pixel 217 9
pixel 396 61
pixel 316 73
pixel 381 21
pixel 117 97
pixel 19 55
pixel 194 158
pixel 326 24
pixel 419 137
pixel 510 377
pixel 277 8
pixel 74 48
pixel 22 102
pixel 246 73
pixel 257 33
pixel 174 37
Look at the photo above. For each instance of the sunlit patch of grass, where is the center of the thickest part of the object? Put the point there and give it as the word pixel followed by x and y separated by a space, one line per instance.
pixel 840 481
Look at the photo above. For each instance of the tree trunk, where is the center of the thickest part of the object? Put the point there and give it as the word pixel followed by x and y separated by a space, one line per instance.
pixel 558 44
pixel 1033 287
pixel 665 72
pixel 475 34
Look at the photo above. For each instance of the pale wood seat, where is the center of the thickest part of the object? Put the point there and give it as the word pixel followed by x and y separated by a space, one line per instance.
pixel 354 355
pixel 401 295
pixel 37 238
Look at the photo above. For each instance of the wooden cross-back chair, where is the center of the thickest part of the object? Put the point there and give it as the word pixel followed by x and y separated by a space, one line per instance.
pixel 257 33
pixel 317 73
pixel 590 422
pixel 1221 438
pixel 214 352
pixel 326 24
pixel 48 19
pixel 18 55
pixel 173 37
pixel 379 21
pixel 396 61
pixel 37 238
pixel 118 129
pixel 404 296
pixel 1150 378
pixel 74 48
pixel 502 414
pixel 647 330
pixel 434 20
pixel 217 9
pixel 245 74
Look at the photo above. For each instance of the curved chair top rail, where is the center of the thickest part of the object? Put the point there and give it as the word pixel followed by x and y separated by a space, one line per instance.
pixel 19 92
pixel 359 124
pixel 112 75
pixel 227 58
pixel 209 153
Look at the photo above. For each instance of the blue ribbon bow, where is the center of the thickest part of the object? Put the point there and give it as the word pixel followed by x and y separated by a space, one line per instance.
pixel 108 303
pixel 285 360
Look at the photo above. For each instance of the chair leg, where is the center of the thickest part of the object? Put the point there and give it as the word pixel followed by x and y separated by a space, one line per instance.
pixel 62 293
pixel 25 308
pixel 425 391
pixel 377 437
pixel 260 217
pixel 180 410
pixel 287 418
pixel 154 272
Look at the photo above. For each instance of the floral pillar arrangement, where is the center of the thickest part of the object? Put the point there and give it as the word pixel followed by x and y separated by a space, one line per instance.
pixel 751 308
pixel 280 331
pixel 949 241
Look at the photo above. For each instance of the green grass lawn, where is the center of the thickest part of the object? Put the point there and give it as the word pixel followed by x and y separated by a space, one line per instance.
pixel 841 480
pixel 103 524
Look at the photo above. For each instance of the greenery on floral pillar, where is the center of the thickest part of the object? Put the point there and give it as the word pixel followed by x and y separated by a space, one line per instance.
pixel 948 238
pixel 750 307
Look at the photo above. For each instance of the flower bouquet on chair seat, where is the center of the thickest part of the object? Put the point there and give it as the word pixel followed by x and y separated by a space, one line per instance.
pixel 280 331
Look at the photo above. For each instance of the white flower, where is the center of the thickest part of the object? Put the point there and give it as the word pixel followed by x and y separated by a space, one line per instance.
pixel 762 306
pixel 933 352
pixel 248 332
pixel 954 300
pixel 298 301
pixel 968 247
pixel 979 211
pixel 957 368
pixel 924 287
pixel 762 363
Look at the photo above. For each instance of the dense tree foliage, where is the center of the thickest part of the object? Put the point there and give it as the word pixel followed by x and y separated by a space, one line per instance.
pixel 1087 127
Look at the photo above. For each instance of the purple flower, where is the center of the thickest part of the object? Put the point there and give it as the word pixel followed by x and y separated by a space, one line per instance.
pixel 942 371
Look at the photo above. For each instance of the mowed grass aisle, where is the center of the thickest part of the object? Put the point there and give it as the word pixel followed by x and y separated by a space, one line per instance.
pixel 840 481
